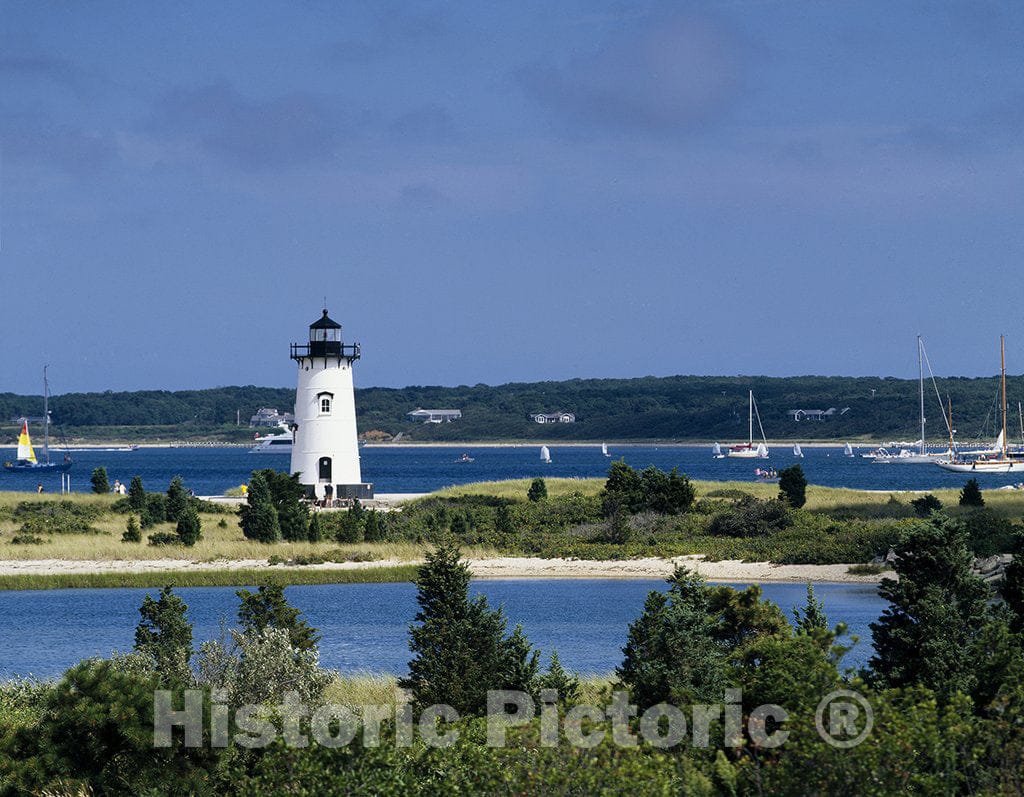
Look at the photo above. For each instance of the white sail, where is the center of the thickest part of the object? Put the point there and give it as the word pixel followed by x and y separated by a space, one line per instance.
pixel 545 454
pixel 796 451
pixel 762 450
pixel 716 449
pixel 997 446
pixel 848 450
pixel 25 452
pixel 604 449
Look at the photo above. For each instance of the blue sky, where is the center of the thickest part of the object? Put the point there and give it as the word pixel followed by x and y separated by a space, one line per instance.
pixel 494 192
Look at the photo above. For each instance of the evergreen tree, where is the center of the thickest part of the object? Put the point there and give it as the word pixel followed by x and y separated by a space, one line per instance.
pixel 558 678
pixel 293 519
pixel 268 608
pixel 925 505
pixel 971 495
pixel 316 527
pixel 937 608
pixel 164 636
pixel 622 490
pixel 350 530
pixel 793 486
pixel 458 528
pixel 459 644
pixel 538 490
pixel 373 527
pixel 132 532
pixel 671 653
pixel 258 517
pixel 137 495
pixel 99 481
pixel 503 522
pixel 177 500
pixel 287 496
pixel 1012 588
pixel 189 528
pixel 813 615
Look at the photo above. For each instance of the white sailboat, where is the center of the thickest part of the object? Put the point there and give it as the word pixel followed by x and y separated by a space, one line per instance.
pixel 908 456
pixel 545 454
pixel 604 449
pixel 848 450
pixel 748 450
pixel 797 452
pixel 1001 462
pixel 716 451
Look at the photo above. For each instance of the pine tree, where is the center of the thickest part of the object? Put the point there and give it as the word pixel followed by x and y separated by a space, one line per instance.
pixel 164 636
pixel 813 615
pixel 350 530
pixel 268 608
pixel 177 500
pixel 558 678
pixel 293 518
pixel 538 490
pixel 793 486
pixel 316 528
pixel 99 481
pixel 258 517
pixel 189 527
pixel 459 644
pixel 937 608
pixel 503 522
pixel 671 653
pixel 971 495
pixel 137 495
pixel 373 527
pixel 132 532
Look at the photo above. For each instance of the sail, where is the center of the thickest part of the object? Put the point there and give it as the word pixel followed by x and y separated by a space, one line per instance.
pixel 604 449
pixel 25 452
pixel 545 455
pixel 848 450
pixel 997 446
pixel 762 450
pixel 797 452
pixel 716 449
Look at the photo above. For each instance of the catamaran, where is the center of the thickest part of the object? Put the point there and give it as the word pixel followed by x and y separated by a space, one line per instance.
pixel 26 459
pixel 545 454
pixel 748 450
pixel 1001 462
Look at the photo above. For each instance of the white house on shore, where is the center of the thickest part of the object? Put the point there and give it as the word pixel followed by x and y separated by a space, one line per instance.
pixel 553 417
pixel 433 416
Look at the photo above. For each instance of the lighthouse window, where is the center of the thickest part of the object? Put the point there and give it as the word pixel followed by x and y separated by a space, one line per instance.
pixel 325 469
pixel 325 405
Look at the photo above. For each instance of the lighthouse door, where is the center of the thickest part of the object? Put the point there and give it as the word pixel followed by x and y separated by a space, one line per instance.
pixel 325 469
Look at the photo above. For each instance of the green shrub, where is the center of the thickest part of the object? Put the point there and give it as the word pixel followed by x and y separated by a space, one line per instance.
pixel 925 505
pixel 189 529
pixel 164 538
pixel 538 490
pixel 971 495
pixel 132 531
pixel 99 481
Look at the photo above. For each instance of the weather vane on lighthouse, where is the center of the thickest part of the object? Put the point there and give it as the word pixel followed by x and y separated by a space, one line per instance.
pixel 325 447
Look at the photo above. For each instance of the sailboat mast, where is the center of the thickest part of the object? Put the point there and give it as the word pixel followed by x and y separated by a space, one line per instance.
pixel 949 416
pixel 750 419
pixel 1002 359
pixel 46 416
pixel 920 372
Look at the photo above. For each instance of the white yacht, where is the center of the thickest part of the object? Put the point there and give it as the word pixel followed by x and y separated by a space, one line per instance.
pixel 273 444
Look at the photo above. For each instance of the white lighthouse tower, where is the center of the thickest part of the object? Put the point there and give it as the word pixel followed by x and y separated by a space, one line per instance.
pixel 325 450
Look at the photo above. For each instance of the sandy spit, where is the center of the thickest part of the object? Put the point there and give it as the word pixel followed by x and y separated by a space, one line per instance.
pixel 500 567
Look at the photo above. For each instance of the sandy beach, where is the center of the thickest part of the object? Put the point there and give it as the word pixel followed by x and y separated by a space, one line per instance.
pixel 499 567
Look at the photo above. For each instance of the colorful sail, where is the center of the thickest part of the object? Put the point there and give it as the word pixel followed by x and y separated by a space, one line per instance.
pixel 25 452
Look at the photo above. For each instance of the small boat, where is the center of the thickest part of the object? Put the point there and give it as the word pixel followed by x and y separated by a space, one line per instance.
pixel 604 449
pixel 797 452
pixel 848 450
pixel 545 454
pixel 26 458
pixel 716 451
pixel 748 450
pixel 465 458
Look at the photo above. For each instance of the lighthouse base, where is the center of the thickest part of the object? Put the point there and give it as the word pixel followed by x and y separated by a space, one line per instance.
pixel 336 492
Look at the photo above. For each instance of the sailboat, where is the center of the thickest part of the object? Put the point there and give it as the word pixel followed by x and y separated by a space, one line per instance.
pixel 847 450
pixel 1000 462
pixel 604 449
pixel 545 454
pixel 797 451
pixel 26 459
pixel 907 456
pixel 716 451
pixel 748 450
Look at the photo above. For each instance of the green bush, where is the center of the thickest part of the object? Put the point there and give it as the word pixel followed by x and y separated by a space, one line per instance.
pixel 925 505
pixel 99 481
pixel 132 531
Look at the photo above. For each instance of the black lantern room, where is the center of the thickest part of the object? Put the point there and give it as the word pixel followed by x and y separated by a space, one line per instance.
pixel 325 341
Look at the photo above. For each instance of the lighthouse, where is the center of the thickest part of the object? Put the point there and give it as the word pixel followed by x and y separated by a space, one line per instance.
pixel 325 449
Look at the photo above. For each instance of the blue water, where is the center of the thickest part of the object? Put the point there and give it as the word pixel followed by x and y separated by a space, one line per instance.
pixel 211 471
pixel 364 627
